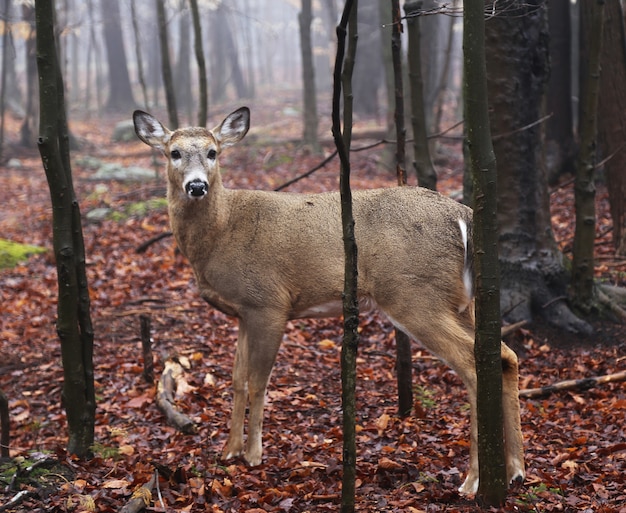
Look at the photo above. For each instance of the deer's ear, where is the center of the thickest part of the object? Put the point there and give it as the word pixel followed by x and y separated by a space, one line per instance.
pixel 150 130
pixel 233 128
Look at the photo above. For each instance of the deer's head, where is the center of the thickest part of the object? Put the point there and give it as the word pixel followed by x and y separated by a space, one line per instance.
pixel 192 152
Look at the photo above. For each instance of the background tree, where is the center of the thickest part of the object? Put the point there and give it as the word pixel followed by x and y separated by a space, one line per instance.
pixel 203 93
pixel 533 277
pixel 487 352
pixel 184 95
pixel 166 68
pixel 27 130
pixel 612 118
pixel 582 282
pixel 73 318
pixel 368 78
pixel 309 97
pixel 426 175
pixel 120 91
pixel 559 146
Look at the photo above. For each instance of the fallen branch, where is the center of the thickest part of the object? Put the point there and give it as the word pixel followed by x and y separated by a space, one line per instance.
pixel 573 384
pixel 142 496
pixel 17 499
pixel 173 380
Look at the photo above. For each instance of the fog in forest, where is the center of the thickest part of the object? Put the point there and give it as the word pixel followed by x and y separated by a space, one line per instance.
pixel 251 49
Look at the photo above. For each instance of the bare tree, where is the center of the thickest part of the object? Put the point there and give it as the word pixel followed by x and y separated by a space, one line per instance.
pixel 309 136
pixel 487 349
pixel 166 68
pixel 73 318
pixel 203 94
pixel 120 91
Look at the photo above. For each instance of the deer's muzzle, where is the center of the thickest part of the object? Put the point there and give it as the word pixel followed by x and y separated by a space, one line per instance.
pixel 197 188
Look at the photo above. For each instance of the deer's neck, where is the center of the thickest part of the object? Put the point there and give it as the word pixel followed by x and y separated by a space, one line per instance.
pixel 198 223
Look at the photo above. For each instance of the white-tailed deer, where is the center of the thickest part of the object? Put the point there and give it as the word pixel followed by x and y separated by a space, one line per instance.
pixel 267 257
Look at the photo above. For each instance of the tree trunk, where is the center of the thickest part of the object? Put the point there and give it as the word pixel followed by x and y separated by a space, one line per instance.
pixel 342 76
pixel 203 111
pixel 138 56
pixel 166 68
pixel 612 118
pixel 3 79
pixel 582 286
pixel 73 319
pixel 309 99
pixel 184 96
pixel 560 146
pixel 27 130
pixel 120 92
pixel 533 277
pixel 487 351
pixel 426 175
pixel 368 72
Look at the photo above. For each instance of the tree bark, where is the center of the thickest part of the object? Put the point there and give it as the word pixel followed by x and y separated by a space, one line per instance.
pixel 120 92
pixel 426 175
pixel 612 118
pixel 309 100
pixel 560 147
pixel 166 68
pixel 582 286
pixel 342 76
pixel 203 111
pixel 73 319
pixel 533 277
pixel 487 350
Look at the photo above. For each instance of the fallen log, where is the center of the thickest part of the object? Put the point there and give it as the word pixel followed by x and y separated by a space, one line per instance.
pixel 573 384
pixel 173 379
pixel 142 497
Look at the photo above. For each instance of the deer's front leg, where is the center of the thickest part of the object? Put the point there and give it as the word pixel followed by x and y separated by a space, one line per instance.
pixel 235 446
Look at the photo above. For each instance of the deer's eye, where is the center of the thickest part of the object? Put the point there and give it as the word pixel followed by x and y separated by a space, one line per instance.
pixel 175 154
pixel 211 154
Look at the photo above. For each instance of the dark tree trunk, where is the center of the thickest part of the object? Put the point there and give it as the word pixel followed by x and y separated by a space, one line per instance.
pixel 612 118
pixel 533 277
pixel 487 351
pixel 203 111
pixel 138 56
pixel 73 318
pixel 166 68
pixel 342 76
pixel 309 136
pixel 120 92
pixel 582 286
pixel 426 175
pixel 560 146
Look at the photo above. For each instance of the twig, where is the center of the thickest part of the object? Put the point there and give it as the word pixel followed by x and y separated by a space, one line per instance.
pixel 573 384
pixel 5 425
pixel 18 498
pixel 143 247
pixel 146 346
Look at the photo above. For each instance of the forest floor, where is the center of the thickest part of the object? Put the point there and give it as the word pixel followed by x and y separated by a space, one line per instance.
pixel 575 440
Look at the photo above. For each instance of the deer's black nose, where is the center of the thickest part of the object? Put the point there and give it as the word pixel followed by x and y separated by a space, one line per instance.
pixel 197 188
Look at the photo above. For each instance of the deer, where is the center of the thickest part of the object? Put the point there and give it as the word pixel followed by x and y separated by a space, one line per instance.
pixel 265 258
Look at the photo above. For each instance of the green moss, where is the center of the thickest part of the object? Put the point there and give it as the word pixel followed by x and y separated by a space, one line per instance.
pixel 13 252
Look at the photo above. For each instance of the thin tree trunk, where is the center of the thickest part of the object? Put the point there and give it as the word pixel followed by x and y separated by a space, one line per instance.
pixel 3 79
pixel 487 351
pixel 404 370
pixel 203 111
pixel 309 99
pixel 73 319
pixel 582 287
pixel 426 175
pixel 140 72
pixel 166 68
pixel 350 342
